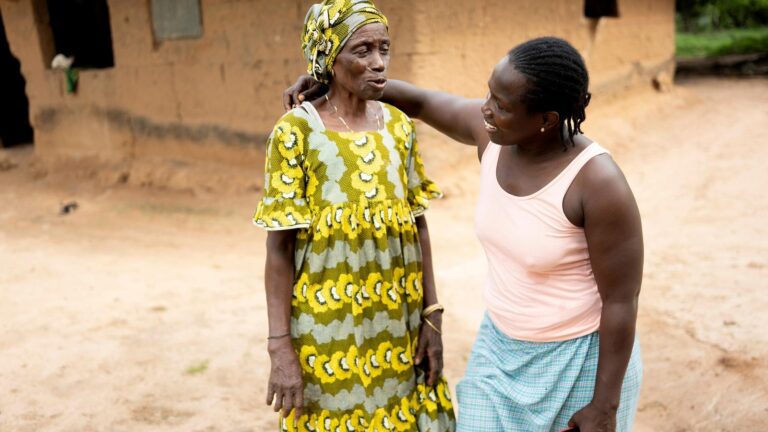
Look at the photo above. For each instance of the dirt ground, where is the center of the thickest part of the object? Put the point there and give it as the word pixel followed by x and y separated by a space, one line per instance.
pixel 144 310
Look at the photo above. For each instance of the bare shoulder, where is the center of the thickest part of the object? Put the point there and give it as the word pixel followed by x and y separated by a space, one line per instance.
pixel 602 168
pixel 604 186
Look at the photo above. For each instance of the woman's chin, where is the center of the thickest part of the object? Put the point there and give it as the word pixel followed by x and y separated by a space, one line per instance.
pixel 501 136
pixel 494 135
pixel 371 92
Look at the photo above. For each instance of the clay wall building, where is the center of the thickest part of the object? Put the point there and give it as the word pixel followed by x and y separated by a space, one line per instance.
pixel 160 103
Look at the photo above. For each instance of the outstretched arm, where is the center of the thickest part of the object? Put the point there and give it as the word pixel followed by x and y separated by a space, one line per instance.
pixel 459 118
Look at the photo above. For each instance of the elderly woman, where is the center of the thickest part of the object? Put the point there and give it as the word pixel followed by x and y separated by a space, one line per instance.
pixel 354 323
pixel 562 234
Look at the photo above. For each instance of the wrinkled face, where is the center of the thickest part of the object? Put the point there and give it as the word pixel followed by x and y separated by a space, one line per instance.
pixel 361 66
pixel 507 119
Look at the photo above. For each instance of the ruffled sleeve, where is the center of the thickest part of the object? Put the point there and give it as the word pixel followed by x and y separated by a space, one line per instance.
pixel 284 205
pixel 420 188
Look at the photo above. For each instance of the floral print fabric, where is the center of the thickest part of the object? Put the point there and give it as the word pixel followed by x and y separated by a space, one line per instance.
pixel 357 294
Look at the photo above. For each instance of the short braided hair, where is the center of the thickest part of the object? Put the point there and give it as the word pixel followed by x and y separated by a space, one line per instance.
pixel 557 80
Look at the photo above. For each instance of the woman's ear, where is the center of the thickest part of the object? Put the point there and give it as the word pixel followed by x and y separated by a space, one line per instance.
pixel 550 119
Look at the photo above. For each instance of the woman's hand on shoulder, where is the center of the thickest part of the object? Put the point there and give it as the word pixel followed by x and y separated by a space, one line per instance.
pixel 305 88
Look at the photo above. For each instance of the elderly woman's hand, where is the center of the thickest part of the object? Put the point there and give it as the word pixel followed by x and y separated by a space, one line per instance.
pixel 286 386
pixel 305 88
pixel 431 347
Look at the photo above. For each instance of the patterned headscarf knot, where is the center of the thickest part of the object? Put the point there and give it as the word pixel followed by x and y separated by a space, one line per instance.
pixel 327 28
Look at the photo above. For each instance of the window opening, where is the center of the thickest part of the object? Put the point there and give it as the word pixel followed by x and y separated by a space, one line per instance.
pixel 81 29
pixel 176 19
pixel 601 8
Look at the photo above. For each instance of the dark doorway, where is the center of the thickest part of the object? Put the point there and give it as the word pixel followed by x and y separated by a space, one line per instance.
pixel 14 106
pixel 81 29
pixel 601 8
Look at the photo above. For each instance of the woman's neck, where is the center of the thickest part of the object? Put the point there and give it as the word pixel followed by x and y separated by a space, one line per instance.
pixel 550 147
pixel 346 104
pixel 541 149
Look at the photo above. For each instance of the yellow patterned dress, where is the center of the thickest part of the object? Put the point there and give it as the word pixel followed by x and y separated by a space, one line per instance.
pixel 357 294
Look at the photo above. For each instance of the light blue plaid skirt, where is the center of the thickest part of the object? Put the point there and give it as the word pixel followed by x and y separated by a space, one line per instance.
pixel 514 385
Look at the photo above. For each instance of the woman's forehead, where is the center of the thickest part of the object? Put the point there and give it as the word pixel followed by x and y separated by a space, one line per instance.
pixel 506 81
pixel 373 31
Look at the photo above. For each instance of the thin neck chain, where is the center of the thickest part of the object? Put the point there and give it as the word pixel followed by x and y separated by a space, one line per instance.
pixel 336 111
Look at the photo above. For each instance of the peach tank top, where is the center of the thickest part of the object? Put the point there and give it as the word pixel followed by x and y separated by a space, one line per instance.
pixel 540 285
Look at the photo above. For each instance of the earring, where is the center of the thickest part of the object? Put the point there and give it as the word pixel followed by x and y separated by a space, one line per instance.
pixel 542 129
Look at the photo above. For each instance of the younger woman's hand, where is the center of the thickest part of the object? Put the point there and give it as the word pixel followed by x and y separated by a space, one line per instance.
pixel 286 385
pixel 305 88
pixel 431 346
pixel 593 418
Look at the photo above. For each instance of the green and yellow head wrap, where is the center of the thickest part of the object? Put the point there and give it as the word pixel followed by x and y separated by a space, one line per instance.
pixel 327 28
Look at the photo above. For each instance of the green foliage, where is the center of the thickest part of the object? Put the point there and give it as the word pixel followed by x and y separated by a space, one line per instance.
pixel 710 44
pixel 708 15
